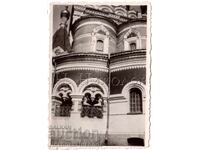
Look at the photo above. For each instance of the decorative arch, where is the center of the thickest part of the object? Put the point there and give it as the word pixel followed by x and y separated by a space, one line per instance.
pixel 126 91
pixel 98 36
pixel 108 8
pixel 132 30
pixel 92 6
pixel 134 84
pixel 93 90
pixel 67 81
pixel 132 14
pixel 101 28
pixel 120 10
pixel 96 81
pixel 130 39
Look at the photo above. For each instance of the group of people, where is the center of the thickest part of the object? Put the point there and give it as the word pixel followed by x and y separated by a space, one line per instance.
pixel 92 101
pixel 92 106
pixel 65 106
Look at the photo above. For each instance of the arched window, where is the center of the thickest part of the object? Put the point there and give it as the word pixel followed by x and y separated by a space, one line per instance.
pixel 133 46
pixel 99 46
pixel 132 40
pixel 92 102
pixel 100 38
pixel 64 105
pixel 135 100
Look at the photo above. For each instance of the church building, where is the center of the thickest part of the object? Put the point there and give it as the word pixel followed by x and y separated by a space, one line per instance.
pixel 99 78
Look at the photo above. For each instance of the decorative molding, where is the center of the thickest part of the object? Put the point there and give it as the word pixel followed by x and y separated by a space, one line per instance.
pixel 123 61
pixel 87 65
pixel 96 36
pixel 136 39
pixel 67 81
pixel 123 57
pixel 127 68
pixel 132 30
pixel 86 56
pixel 117 98
pixel 82 68
pixel 133 27
pixel 126 93
pixel 127 64
pixel 97 81
pixel 122 10
pixel 118 101
pixel 97 23
pixel 134 84
pixel 101 28
pixel 132 14
pixel 109 8
pixel 93 91
pixel 102 65
pixel 83 36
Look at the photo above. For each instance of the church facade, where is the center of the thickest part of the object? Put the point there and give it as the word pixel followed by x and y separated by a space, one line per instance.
pixel 99 92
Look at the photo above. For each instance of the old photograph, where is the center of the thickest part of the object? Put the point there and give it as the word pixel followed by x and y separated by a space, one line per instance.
pixel 99 75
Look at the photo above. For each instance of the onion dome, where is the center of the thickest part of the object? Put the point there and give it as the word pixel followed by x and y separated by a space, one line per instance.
pixel 65 13
pixel 61 39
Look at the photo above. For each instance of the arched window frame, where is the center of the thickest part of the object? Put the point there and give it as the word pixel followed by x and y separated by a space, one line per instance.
pixel 94 81
pixel 128 41
pixel 93 93
pixel 135 108
pixel 94 106
pixel 132 14
pixel 108 8
pixel 62 102
pixel 121 11
pixel 126 93
pixel 55 93
pixel 67 81
pixel 97 36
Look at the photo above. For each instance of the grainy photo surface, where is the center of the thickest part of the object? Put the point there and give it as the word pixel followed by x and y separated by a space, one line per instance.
pixel 99 85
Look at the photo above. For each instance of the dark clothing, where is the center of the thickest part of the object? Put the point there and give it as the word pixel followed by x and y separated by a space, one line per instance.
pixel 92 103
pixel 67 102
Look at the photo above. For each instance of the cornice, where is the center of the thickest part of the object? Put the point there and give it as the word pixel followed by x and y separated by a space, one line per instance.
pixel 80 57
pixel 125 55
pixel 128 67
pixel 81 54
pixel 78 65
pixel 79 68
